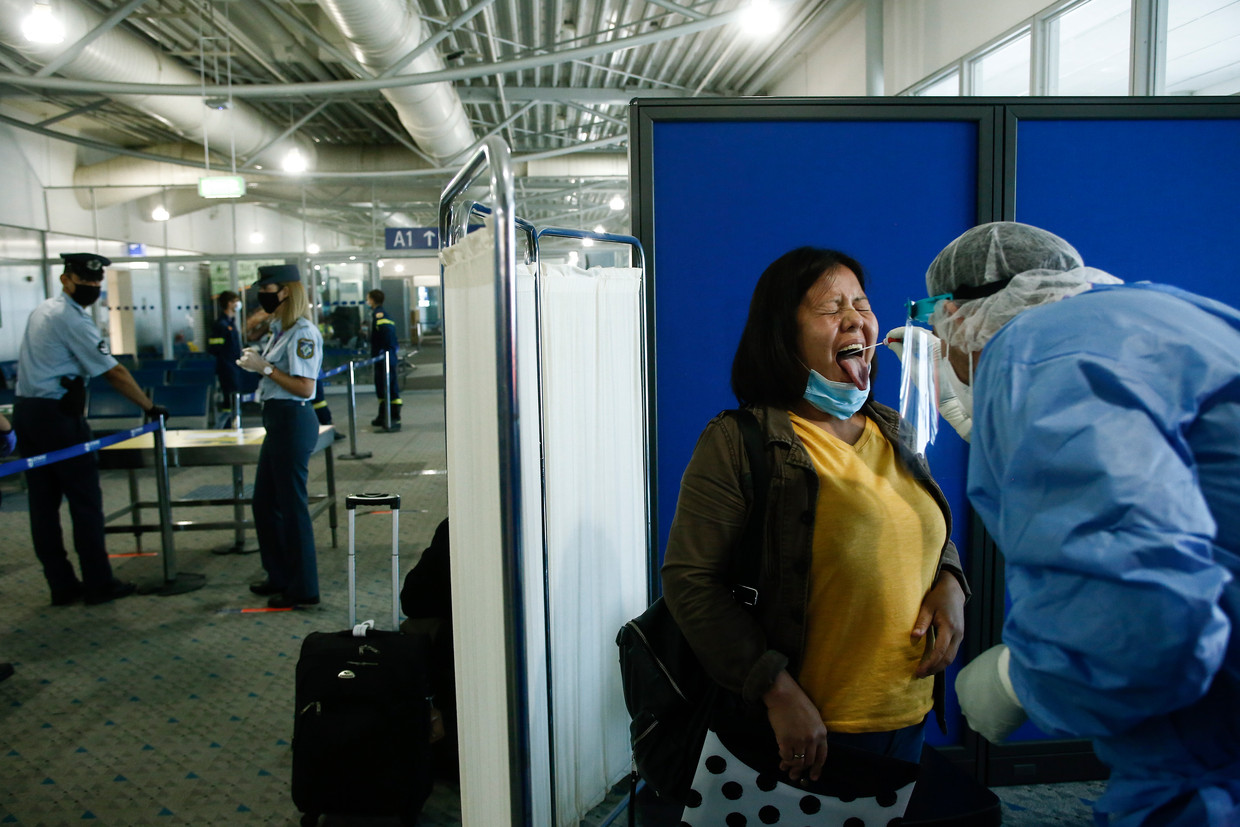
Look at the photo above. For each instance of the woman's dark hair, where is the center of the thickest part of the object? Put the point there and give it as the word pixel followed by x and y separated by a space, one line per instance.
pixel 767 369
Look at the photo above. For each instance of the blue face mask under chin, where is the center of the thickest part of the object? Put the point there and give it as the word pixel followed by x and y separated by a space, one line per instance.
pixel 839 399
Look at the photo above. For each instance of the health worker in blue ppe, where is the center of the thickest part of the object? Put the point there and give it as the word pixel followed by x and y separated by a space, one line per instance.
pixel 1105 461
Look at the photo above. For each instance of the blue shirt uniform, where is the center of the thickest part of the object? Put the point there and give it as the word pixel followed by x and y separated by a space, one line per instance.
pixel 61 340
pixel 1105 461
pixel 224 344
pixel 297 351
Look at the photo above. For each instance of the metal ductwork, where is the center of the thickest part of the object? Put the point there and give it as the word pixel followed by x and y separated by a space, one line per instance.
pixel 125 178
pixel 380 33
pixel 117 55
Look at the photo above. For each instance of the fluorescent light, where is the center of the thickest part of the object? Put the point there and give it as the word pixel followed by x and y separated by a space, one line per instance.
pixel 312 248
pixel 400 268
pixel 41 26
pixel 256 237
pixel 294 162
pixel 760 18
pixel 616 202
pixel 160 214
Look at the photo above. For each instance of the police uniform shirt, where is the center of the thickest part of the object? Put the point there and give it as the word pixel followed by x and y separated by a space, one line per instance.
pixel 297 351
pixel 61 340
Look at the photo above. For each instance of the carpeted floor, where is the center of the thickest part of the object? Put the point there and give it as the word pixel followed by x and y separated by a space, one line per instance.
pixel 178 710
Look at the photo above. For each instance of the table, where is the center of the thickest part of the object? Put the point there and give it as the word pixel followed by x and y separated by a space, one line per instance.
pixel 196 448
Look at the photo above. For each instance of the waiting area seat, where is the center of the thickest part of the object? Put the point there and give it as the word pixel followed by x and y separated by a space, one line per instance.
pixel 189 406
pixel 107 411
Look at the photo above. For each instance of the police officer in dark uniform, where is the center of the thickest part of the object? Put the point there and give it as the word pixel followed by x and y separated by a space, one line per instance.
pixel 383 340
pixel 224 344
pixel 62 347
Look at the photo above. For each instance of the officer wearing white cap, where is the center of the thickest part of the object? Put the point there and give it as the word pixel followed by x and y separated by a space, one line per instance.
pixel 290 366
pixel 61 349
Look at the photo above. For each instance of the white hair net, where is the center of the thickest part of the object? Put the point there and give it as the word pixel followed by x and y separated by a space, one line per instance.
pixel 1038 267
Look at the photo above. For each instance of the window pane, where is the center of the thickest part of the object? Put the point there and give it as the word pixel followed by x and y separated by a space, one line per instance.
pixel 1089 49
pixel 946 86
pixel 1203 47
pixel 1005 71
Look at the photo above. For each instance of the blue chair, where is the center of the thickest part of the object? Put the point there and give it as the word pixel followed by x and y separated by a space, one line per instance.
pixel 127 359
pixel 148 377
pixel 181 376
pixel 193 358
pixel 158 364
pixel 107 410
pixel 189 406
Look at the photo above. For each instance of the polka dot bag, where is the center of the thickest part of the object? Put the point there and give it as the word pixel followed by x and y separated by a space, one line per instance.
pixel 728 793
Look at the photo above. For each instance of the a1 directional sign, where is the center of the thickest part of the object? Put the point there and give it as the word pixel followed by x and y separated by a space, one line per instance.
pixel 411 238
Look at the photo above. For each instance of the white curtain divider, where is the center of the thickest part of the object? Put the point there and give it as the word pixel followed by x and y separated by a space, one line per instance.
pixel 586 478
pixel 470 401
pixel 596 516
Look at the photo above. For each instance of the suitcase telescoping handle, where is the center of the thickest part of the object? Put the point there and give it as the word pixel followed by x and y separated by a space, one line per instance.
pixel 391 502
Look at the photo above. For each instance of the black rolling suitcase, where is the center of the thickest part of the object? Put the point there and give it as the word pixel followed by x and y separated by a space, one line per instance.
pixel 361 737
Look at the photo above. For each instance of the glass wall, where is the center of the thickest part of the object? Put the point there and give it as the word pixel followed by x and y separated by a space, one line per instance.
pixel 1003 71
pixel 21 289
pixel 1087 49
pixel 342 290
pixel 1203 47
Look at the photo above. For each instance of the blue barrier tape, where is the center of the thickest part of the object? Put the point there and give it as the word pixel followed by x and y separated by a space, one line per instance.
pixel 19 465
pixel 333 371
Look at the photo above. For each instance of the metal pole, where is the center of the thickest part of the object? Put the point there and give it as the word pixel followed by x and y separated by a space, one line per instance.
pixel 352 409
pixel 387 390
pixel 236 410
pixel 395 565
pixel 352 571
pixel 174 582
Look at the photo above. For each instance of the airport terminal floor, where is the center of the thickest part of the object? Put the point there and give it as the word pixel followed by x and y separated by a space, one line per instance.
pixel 178 710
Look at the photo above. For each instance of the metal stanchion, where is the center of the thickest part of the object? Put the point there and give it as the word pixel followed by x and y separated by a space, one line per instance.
pixel 174 582
pixel 237 410
pixel 352 408
pixel 387 390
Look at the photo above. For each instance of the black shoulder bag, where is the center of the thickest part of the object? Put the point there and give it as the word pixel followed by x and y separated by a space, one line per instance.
pixel 668 694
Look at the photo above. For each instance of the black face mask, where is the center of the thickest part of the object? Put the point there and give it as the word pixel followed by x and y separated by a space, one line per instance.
pixel 86 294
pixel 269 301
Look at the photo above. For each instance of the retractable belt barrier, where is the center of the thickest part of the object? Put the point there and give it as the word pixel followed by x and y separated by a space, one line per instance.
pixel 250 397
pixel 19 465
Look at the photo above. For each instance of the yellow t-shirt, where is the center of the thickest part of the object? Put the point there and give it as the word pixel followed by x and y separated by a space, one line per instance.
pixel 877 539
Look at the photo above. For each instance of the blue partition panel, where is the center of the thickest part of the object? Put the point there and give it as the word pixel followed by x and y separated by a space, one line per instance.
pixel 1145 200
pixel 1152 200
pixel 729 197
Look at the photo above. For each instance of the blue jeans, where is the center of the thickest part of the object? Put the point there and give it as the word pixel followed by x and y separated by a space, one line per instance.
pixel 904 744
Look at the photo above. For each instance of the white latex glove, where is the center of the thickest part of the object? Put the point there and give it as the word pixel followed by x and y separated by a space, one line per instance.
pixel 252 361
pixel 950 406
pixel 986 696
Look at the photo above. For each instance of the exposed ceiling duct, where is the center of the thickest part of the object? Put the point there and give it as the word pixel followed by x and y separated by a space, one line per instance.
pixel 381 34
pixel 116 55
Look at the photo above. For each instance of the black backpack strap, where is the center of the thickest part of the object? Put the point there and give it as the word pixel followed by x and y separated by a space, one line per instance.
pixel 747 553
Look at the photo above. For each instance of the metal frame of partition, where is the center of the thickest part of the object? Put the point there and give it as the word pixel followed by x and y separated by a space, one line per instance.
pixel 454 221
pixel 493 158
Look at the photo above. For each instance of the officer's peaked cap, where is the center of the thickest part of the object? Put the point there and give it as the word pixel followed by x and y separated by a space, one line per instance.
pixel 277 274
pixel 87 266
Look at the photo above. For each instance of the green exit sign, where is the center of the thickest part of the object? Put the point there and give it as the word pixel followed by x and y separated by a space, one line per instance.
pixel 221 186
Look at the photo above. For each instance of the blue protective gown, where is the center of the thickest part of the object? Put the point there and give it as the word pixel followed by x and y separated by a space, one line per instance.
pixel 1105 461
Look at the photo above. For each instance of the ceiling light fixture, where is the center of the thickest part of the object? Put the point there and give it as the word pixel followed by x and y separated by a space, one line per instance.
pixel 616 203
pixel 312 248
pixel 400 268
pixel 256 237
pixel 760 18
pixel 42 26
pixel 294 162
pixel 160 214
pixel 599 228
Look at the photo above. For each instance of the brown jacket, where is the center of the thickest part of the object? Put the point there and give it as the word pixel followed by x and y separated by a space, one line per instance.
pixel 743 649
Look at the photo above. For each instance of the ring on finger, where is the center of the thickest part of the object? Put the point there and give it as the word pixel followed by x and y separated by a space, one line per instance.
pixel 799 756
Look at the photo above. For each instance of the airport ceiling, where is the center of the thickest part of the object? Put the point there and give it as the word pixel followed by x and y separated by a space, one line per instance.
pixel 384 98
